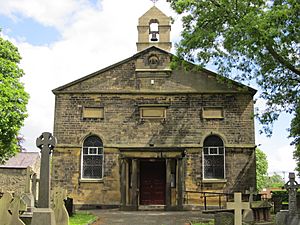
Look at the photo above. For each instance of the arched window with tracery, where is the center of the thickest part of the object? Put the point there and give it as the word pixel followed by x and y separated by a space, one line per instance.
pixel 92 158
pixel 213 158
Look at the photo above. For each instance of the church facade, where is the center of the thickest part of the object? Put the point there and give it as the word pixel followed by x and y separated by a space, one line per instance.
pixel 138 133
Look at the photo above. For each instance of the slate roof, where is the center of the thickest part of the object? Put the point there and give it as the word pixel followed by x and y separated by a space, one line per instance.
pixel 22 160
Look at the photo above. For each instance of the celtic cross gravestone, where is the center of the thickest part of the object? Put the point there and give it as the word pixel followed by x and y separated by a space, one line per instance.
pixel 46 142
pixel 292 187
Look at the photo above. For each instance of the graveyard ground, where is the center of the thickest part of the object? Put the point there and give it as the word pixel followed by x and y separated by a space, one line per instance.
pixel 82 218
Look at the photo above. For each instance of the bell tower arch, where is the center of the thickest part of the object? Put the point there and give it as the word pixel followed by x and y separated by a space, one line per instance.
pixel 154 30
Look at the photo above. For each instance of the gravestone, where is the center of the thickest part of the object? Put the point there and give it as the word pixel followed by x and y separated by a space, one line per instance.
pixel 10 208
pixel 291 216
pixel 292 187
pixel 15 207
pixel 238 206
pixel 46 142
pixel 4 204
pixel 224 218
pixel 60 211
pixel 251 193
pixel 27 197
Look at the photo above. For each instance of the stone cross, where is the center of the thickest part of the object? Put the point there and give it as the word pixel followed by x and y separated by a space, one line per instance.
pixel 238 206
pixel 59 208
pixel 292 187
pixel 251 193
pixel 28 180
pixel 15 206
pixel 4 204
pixel 46 142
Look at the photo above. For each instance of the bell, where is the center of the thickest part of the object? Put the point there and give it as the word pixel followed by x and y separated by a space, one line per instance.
pixel 154 38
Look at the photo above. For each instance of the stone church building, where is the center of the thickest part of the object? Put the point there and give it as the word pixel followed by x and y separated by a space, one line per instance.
pixel 138 133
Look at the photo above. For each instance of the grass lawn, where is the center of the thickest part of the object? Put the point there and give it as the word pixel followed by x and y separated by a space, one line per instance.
pixel 82 218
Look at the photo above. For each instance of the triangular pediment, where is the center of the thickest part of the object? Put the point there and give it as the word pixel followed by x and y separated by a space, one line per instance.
pixel 148 72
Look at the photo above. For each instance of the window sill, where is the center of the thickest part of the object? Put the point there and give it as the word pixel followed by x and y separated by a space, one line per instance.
pixel 214 181
pixel 91 180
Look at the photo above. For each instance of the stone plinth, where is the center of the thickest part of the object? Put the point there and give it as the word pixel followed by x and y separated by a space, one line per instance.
pixel 44 216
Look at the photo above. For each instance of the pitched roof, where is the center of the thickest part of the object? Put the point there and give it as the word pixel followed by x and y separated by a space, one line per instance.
pixel 22 160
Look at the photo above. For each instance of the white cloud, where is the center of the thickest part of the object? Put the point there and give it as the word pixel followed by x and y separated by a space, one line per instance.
pixel 49 13
pixel 91 39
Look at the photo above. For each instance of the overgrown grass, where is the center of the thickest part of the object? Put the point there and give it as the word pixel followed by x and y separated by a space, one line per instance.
pixel 81 218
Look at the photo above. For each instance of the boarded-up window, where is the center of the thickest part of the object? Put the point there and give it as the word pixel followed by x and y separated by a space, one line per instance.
pixel 213 113
pixel 93 112
pixel 153 112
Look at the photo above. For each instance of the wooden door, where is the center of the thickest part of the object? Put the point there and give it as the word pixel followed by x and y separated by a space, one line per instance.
pixel 152 182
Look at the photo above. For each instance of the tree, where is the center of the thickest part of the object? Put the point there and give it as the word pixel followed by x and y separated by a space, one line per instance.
pixel 248 40
pixel 261 169
pixel 13 99
pixel 295 133
pixel 274 181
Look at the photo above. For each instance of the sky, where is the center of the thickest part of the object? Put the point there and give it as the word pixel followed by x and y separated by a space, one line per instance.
pixel 61 41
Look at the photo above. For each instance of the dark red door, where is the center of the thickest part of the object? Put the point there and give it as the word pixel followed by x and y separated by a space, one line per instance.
pixel 152 183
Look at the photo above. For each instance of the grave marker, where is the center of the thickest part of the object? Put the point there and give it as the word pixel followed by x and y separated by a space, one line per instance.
pixel 292 187
pixel 4 204
pixel 60 211
pixel 15 206
pixel 46 142
pixel 238 206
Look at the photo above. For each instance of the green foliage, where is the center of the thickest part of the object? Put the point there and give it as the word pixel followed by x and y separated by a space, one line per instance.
pixel 275 181
pixel 261 169
pixel 249 40
pixel 82 218
pixel 13 99
pixel 295 133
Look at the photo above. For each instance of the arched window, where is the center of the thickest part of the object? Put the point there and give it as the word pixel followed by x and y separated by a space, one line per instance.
pixel 92 158
pixel 213 158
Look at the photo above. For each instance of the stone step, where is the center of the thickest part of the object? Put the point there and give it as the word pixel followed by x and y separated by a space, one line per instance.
pixel 152 207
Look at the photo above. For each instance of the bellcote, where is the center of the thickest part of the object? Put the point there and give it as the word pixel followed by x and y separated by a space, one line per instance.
pixel 154 30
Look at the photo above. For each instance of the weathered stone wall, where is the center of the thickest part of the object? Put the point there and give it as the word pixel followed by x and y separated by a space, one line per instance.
pixel 183 125
pixel 66 174
pixel 240 174
pixel 12 180
pixel 120 90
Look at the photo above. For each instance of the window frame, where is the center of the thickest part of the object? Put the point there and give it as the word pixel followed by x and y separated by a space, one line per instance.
pixel 100 153
pixel 209 148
